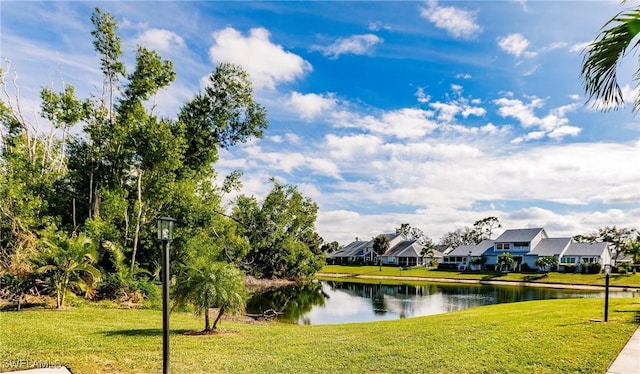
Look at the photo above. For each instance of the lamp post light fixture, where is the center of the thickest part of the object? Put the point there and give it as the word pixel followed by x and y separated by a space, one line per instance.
pixel 165 231
pixel 607 271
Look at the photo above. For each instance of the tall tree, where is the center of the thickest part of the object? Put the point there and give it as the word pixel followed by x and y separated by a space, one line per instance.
pixel 380 246
pixel 484 227
pixel 281 233
pixel 602 57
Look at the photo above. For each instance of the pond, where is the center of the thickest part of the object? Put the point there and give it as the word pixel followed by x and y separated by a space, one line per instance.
pixel 332 302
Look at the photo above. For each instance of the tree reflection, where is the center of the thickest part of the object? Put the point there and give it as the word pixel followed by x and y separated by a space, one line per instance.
pixel 377 300
pixel 291 302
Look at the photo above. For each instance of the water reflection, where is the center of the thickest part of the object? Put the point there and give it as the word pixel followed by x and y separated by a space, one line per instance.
pixel 330 302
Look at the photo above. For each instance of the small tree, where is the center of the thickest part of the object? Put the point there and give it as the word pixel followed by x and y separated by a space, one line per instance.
pixel 380 246
pixel 67 263
pixel 633 249
pixel 428 251
pixel 506 260
pixel 546 263
pixel 205 285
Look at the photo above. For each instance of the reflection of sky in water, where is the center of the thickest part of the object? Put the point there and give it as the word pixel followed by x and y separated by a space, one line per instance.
pixel 357 304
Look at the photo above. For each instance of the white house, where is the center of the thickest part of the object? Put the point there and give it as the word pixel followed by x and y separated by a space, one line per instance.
pixel 526 246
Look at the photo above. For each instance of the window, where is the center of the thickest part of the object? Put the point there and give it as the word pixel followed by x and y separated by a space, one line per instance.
pixel 502 246
pixel 568 260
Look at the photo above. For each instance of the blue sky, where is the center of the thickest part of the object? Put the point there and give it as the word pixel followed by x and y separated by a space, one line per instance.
pixel 432 113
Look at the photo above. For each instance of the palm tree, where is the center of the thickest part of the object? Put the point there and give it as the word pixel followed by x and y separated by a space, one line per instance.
pixel 428 251
pixel 205 284
pixel 380 246
pixel 599 68
pixel 67 263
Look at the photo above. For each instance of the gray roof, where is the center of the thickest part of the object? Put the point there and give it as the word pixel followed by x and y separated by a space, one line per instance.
pixel 586 249
pixel 406 248
pixel 351 249
pixel 550 247
pixel 476 250
pixel 518 235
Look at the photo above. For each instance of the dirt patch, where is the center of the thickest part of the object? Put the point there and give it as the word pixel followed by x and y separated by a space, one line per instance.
pixel 210 332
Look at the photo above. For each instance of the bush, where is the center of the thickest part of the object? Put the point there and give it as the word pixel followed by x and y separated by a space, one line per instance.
pixel 447 266
pixel 594 268
pixel 624 267
pixel 570 268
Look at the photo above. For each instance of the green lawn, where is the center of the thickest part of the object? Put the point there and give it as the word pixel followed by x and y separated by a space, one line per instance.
pixel 551 336
pixel 628 280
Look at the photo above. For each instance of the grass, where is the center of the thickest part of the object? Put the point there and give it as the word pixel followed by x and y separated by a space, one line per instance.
pixel 621 280
pixel 549 336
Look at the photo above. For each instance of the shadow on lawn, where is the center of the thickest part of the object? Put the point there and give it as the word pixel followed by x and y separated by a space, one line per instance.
pixel 493 275
pixel 141 332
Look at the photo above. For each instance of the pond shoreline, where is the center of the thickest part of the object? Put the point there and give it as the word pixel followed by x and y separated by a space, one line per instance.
pixel 337 276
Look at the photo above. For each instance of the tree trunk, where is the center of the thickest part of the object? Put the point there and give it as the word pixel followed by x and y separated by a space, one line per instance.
pixel 137 233
pixel 207 327
pixel 220 313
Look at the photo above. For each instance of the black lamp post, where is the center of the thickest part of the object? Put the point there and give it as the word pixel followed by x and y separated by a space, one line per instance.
pixel 165 230
pixel 607 271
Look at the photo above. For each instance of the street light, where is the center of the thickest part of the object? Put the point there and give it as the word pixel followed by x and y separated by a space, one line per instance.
pixel 165 230
pixel 607 271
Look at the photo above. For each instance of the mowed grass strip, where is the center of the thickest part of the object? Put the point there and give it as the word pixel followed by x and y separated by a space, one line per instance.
pixel 621 280
pixel 550 336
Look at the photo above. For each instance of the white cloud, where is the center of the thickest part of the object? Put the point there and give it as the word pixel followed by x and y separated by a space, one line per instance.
pixel 352 146
pixel 355 45
pixel 268 64
pixel 579 47
pixel 422 96
pixel 309 106
pixel 515 44
pixel 555 124
pixel 463 76
pixel 160 40
pixel 457 22
pixel 378 25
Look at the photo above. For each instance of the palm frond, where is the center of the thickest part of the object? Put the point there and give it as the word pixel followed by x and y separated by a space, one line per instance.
pixel 599 70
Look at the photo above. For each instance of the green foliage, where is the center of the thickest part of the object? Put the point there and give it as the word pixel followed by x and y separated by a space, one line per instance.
pixel 380 246
pixel 505 262
pixel 205 284
pixel 224 115
pixel 602 57
pixel 281 234
pixel 67 263
pixel 546 262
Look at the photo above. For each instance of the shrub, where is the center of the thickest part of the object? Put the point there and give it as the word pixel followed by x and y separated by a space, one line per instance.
pixel 570 268
pixel 624 267
pixel 595 268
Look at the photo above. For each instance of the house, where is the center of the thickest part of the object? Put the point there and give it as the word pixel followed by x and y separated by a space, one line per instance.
pixel 402 252
pixel 463 256
pixel 526 246
pixel 355 252
pixel 584 254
